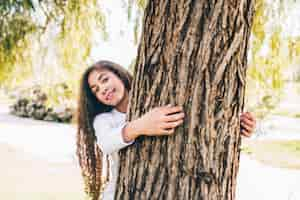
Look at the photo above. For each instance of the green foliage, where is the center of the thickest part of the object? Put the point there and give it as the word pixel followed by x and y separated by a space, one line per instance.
pixel 139 6
pixel 53 46
pixel 15 24
pixel 76 38
pixel 294 55
pixel 258 27
pixel 79 28
pixel 15 63
pixel 269 50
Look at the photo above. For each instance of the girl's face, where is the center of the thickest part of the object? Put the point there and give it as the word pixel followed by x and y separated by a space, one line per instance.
pixel 106 86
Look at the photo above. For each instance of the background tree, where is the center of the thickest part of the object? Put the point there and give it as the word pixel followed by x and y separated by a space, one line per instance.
pixel 48 42
pixel 194 54
pixel 272 55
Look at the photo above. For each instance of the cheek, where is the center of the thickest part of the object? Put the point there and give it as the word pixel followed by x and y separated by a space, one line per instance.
pixel 119 86
pixel 100 98
pixel 122 90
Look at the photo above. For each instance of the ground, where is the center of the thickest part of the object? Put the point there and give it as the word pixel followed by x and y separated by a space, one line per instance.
pixel 26 177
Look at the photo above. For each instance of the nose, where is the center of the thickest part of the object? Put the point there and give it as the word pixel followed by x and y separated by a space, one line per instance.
pixel 104 90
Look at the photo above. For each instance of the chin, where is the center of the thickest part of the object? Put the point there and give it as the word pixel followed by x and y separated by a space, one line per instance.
pixel 111 104
pixel 114 104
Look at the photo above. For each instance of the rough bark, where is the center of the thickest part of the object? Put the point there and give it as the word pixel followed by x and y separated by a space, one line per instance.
pixel 192 53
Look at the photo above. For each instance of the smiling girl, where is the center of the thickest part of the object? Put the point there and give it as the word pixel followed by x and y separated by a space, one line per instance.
pixel 103 131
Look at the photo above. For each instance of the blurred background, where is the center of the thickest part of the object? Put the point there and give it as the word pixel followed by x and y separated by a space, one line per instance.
pixel 46 45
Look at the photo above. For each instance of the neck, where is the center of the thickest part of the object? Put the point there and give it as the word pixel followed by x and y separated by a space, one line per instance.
pixel 122 106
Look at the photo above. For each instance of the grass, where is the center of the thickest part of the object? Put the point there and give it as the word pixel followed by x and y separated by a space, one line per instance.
pixel 286 113
pixel 284 154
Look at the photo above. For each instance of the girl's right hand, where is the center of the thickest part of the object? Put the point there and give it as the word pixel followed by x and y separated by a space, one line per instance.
pixel 156 122
pixel 160 121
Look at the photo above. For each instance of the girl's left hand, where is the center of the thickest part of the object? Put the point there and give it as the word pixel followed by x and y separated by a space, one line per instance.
pixel 248 124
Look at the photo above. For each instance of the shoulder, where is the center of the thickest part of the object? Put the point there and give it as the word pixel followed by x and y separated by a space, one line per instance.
pixel 104 115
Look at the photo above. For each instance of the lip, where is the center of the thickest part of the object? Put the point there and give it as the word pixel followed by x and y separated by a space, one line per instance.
pixel 109 95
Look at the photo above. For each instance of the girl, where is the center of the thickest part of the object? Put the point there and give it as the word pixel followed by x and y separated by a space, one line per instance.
pixel 103 102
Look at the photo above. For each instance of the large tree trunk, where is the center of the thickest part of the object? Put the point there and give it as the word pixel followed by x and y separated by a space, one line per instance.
pixel 192 53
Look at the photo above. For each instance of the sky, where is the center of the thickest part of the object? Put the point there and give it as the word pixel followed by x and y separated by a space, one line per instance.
pixel 120 46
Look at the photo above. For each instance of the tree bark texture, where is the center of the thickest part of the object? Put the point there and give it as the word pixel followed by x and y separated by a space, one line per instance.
pixel 192 53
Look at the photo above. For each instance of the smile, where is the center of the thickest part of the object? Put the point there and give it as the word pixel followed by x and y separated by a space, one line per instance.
pixel 110 95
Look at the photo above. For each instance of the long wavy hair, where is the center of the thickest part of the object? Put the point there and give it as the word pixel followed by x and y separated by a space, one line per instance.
pixel 89 154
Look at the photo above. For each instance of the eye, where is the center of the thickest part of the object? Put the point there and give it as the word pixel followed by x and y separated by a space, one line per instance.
pixel 104 79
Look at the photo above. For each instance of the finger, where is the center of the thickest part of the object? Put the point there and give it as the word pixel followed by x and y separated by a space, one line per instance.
pixel 168 131
pixel 252 122
pixel 174 109
pixel 249 115
pixel 248 122
pixel 245 133
pixel 248 128
pixel 174 117
pixel 172 124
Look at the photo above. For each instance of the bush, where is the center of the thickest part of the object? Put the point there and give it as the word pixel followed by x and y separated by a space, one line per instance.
pixel 33 102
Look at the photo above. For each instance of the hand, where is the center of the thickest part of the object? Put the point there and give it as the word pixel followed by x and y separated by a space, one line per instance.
pixel 158 121
pixel 248 124
pixel 161 120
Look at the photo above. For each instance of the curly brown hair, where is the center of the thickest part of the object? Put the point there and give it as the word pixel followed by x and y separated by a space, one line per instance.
pixel 89 154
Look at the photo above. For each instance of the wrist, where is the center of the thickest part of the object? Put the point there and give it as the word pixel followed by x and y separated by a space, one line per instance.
pixel 130 131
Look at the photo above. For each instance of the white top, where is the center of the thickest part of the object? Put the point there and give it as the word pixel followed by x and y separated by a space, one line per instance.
pixel 108 129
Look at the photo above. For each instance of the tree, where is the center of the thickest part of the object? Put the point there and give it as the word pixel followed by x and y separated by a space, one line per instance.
pixel 194 54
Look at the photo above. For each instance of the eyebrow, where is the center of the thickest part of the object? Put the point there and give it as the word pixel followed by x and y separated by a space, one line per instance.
pixel 98 77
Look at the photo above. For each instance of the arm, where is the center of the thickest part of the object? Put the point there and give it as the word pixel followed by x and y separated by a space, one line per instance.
pixel 157 122
pixel 131 131
pixel 110 139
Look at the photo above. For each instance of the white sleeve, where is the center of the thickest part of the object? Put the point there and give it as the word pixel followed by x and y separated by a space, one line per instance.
pixel 109 138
